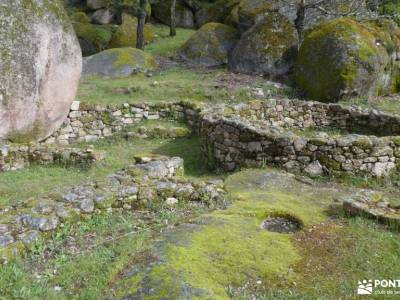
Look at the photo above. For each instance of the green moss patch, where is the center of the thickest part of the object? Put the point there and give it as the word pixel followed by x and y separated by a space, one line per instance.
pixel 126 34
pixel 229 249
pixel 340 59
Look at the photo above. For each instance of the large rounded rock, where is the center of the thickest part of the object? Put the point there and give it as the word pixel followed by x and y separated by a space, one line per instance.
pixel 40 66
pixel 126 34
pixel 250 10
pixel 343 58
pixel 184 16
pixel 210 45
pixel 93 38
pixel 97 4
pixel 268 48
pixel 119 62
pixel 218 12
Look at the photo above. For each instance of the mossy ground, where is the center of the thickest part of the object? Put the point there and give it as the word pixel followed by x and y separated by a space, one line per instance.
pixel 40 180
pixel 226 255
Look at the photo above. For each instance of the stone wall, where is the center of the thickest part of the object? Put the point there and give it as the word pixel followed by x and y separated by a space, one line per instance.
pixel 258 133
pixel 138 186
pixel 303 114
pixel 90 123
pixel 252 134
pixel 15 157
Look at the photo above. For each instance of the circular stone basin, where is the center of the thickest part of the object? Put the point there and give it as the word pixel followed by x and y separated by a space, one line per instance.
pixel 282 224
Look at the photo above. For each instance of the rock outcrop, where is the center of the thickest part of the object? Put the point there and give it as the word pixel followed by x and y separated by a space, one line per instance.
pixel 344 58
pixel 93 38
pixel 184 16
pixel 210 45
pixel 118 62
pixel 268 48
pixel 40 66
pixel 126 34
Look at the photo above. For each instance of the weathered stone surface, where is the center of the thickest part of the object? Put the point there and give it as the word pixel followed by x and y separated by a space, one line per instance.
pixel 184 16
pixel 93 38
pixel 218 11
pixel 39 70
pixel 254 135
pixel 268 48
pixel 29 237
pixel 124 189
pixel 103 16
pixel 42 223
pixel 87 205
pixel 365 206
pixel 97 4
pixel 125 35
pixel 210 45
pixel 5 240
pixel 120 62
pixel 14 157
pixel 344 58
pixel 314 169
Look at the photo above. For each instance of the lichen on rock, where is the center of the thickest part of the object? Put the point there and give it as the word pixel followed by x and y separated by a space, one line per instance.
pixel 210 45
pixel 118 62
pixel 268 48
pixel 344 58
pixel 126 35
pixel 39 70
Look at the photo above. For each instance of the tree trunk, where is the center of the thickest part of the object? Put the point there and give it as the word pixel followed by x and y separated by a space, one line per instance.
pixel 300 20
pixel 140 41
pixel 172 31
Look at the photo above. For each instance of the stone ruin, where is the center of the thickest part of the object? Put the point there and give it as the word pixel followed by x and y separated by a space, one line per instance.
pixel 148 179
pixel 267 132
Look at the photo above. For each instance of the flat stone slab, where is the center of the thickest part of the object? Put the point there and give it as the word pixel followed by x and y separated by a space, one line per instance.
pixel 379 210
pixel 228 249
pixel 152 179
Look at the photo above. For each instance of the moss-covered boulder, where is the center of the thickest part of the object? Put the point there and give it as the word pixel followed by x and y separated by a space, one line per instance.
pixel 210 45
pixel 93 38
pixel 132 6
pixel 126 34
pixel 249 10
pixel 184 16
pixel 218 12
pixel 268 48
pixel 40 66
pixel 344 58
pixel 79 17
pixel 97 4
pixel 119 62
pixel 103 16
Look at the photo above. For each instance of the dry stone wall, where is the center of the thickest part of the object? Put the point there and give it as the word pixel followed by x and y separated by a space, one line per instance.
pixel 252 134
pixel 15 157
pixel 147 180
pixel 259 133
pixel 91 123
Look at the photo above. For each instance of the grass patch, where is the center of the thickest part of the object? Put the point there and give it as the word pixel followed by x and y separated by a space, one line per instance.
pixel 389 104
pixel 175 83
pixel 165 45
pixel 38 180
pixel 336 256
pixel 63 262
pixel 83 260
